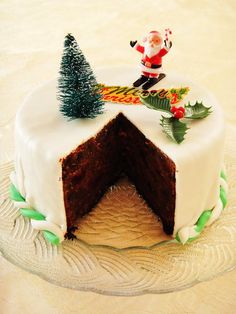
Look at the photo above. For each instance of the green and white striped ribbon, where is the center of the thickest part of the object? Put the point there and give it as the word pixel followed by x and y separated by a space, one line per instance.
pixel 51 231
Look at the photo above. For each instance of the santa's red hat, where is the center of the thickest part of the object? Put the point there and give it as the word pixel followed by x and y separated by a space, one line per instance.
pixel 153 33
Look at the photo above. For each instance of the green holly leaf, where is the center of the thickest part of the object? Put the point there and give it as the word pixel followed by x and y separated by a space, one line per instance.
pixel 153 101
pixel 197 111
pixel 174 129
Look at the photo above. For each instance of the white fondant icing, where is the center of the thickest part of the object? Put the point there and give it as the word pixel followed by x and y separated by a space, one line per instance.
pixel 13 178
pixel 44 136
pixel 19 178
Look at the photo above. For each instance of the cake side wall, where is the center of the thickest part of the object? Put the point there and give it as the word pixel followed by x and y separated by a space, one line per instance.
pixel 198 172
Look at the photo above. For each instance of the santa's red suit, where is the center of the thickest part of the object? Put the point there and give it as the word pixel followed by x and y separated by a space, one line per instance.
pixel 155 61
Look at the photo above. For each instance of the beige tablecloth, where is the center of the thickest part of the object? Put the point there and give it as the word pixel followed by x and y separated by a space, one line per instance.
pixel 32 34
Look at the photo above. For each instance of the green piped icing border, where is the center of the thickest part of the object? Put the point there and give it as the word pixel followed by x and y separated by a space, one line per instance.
pixel 223 196
pixel 32 214
pixel 222 175
pixel 202 220
pixel 205 216
pixel 51 237
pixel 15 194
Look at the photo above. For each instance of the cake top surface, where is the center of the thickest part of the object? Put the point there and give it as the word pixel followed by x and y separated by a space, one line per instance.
pixel 40 117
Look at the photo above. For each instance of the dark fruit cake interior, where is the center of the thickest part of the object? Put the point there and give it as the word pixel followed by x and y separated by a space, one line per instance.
pixel 118 149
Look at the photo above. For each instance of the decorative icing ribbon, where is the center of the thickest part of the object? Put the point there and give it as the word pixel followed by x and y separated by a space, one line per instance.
pixel 51 231
pixel 187 234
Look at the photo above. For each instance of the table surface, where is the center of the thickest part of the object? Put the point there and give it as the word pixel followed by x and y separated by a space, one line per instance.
pixel 32 35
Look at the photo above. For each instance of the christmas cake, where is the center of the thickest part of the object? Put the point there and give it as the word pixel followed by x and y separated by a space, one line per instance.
pixel 64 166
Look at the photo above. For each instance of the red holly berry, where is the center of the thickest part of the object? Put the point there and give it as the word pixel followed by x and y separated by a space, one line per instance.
pixel 181 109
pixel 173 109
pixel 178 114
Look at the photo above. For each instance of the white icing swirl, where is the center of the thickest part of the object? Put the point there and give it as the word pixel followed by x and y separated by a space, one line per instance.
pixel 49 226
pixel 21 204
pixel 215 212
pixel 187 232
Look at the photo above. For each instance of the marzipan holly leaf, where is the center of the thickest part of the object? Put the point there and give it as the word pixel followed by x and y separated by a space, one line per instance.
pixel 155 102
pixel 197 111
pixel 174 129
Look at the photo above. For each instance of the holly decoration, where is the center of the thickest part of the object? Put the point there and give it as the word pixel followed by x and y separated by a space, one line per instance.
pixel 178 94
pixel 153 101
pixel 172 126
pixel 79 93
pixel 174 129
pixel 198 111
pixel 178 112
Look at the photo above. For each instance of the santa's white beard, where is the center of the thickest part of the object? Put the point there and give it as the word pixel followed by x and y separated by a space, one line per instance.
pixel 151 51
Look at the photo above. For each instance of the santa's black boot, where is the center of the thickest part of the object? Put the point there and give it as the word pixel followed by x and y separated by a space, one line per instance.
pixel 140 81
pixel 152 81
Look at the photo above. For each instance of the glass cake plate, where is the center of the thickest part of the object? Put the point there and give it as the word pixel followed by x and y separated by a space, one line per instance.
pixel 120 247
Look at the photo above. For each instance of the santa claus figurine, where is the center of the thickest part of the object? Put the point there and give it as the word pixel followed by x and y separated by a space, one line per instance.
pixel 151 63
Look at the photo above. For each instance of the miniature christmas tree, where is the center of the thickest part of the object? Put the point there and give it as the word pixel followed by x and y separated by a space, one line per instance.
pixel 78 90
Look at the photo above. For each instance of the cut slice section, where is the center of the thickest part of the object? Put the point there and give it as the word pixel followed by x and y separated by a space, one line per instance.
pixel 119 148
